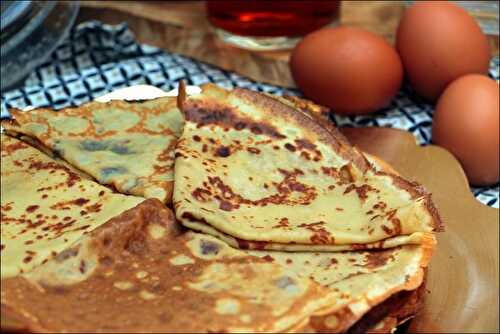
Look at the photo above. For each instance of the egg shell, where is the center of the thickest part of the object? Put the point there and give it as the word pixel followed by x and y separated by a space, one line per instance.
pixel 438 42
pixel 466 122
pixel 350 70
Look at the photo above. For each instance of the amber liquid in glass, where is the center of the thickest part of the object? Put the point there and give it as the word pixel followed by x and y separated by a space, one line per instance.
pixel 271 18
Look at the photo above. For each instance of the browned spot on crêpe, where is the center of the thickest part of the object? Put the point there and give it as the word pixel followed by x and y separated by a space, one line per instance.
pixel 94 207
pixel 8 149
pixel 378 258
pixel 346 175
pixel 320 234
pixel 290 147
pixel 65 205
pixel 330 171
pixel 179 155
pixel 201 194
pixel 32 208
pixel 282 223
pixel 254 244
pixel 52 166
pixel 397 226
pixel 387 230
pixel 207 113
pixel 390 214
pixel 362 190
pixel 223 152
pixel 380 205
pixel 253 150
pixel 304 144
pixel 209 247
pixel 229 200
pixel 268 258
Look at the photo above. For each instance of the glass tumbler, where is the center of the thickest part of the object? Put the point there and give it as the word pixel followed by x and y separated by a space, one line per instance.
pixel 269 24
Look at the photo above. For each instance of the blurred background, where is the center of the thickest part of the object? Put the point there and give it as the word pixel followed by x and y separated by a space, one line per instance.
pixel 32 29
pixel 183 27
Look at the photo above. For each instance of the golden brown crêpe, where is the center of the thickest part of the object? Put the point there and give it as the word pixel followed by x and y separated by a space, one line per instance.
pixel 357 280
pixel 128 145
pixel 45 206
pixel 142 272
pixel 382 318
pixel 260 174
pixel 393 312
pixel 35 143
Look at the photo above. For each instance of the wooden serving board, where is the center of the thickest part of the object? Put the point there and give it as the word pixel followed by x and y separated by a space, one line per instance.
pixel 463 278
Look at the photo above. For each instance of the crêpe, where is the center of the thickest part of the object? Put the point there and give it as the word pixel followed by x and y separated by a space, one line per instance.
pixel 45 206
pixel 142 272
pixel 260 173
pixel 127 145
pixel 137 256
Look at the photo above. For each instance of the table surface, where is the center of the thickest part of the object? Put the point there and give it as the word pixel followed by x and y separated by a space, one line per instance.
pixel 182 27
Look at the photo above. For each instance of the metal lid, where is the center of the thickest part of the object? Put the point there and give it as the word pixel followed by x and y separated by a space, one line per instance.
pixel 11 11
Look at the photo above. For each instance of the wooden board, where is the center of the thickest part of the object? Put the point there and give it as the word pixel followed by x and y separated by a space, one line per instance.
pixel 464 273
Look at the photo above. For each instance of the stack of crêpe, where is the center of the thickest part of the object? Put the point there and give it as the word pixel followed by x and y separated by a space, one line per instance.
pixel 224 211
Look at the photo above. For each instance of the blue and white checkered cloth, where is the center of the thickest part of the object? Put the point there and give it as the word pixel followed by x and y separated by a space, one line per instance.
pixel 97 58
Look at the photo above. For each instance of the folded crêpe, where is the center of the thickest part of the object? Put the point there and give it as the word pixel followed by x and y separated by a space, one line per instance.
pixel 262 173
pixel 127 145
pixel 141 271
pixel 46 206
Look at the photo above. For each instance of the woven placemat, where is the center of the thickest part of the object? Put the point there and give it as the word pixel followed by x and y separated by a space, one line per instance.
pixel 97 58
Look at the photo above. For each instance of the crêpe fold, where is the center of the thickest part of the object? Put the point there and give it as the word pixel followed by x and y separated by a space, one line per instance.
pixel 141 271
pixel 268 175
pixel 126 145
pixel 46 206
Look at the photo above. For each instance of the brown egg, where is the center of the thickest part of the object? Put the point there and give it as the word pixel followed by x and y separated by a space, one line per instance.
pixel 439 42
pixel 347 69
pixel 466 122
